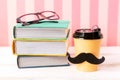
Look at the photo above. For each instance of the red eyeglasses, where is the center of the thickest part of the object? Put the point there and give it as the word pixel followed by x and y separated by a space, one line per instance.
pixel 94 28
pixel 33 18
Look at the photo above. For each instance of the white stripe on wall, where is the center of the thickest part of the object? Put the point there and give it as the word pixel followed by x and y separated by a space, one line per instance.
pixel 29 6
pixel 103 19
pixel 49 5
pixel 11 6
pixel 118 32
pixel 85 11
pixel 67 9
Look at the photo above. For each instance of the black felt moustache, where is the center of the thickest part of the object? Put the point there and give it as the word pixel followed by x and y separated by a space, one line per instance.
pixel 85 57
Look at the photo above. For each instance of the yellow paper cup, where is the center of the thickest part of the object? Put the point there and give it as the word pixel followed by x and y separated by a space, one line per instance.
pixel 88 46
pixel 87 42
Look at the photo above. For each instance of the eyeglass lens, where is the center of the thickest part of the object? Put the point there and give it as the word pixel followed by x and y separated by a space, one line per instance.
pixel 28 18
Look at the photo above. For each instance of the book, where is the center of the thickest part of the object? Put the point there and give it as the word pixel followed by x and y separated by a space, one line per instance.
pixel 41 61
pixel 56 47
pixel 42 30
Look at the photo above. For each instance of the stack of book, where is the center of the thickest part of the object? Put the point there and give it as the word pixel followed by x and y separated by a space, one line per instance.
pixel 41 45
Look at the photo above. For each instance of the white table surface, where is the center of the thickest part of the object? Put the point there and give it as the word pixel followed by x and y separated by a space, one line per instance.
pixel 109 70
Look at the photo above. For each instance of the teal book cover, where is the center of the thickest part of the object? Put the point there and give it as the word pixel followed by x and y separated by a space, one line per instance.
pixel 46 24
pixel 44 29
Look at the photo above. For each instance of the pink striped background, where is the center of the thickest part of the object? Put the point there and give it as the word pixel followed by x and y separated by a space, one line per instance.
pixel 80 13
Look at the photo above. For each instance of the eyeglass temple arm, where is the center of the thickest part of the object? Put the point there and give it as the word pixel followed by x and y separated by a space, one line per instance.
pixel 18 20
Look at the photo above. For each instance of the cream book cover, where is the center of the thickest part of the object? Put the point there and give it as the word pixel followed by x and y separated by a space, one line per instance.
pixel 55 47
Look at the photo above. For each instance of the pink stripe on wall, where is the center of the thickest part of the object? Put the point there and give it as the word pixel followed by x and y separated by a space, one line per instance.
pixel 20 7
pixel 78 13
pixel 39 5
pixel 3 23
pixel 93 12
pixel 75 18
pixel 112 22
pixel 58 7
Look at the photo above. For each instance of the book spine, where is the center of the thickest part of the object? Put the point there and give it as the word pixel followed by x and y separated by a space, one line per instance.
pixel 13 47
pixel 14 31
pixel 18 57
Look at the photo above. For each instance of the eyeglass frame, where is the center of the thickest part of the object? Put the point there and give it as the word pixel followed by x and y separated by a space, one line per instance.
pixel 18 20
